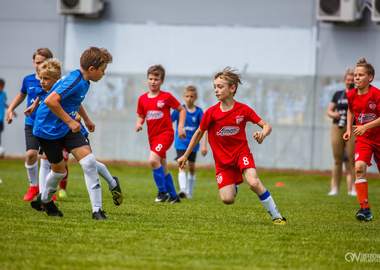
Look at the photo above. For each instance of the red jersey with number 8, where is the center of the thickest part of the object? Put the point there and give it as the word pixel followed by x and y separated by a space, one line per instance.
pixel 157 113
pixel 226 132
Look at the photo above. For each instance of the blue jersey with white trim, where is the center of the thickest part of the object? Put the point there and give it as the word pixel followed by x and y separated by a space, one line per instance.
pixel 28 88
pixel 72 88
pixel 193 120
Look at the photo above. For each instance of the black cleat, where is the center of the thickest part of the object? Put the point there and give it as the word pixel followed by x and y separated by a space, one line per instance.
pixel 162 197
pixel 50 208
pixel 174 200
pixel 35 204
pixel 99 215
pixel 117 195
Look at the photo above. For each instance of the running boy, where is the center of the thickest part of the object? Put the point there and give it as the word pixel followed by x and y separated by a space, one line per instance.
pixel 50 72
pixel 154 107
pixel 193 119
pixel 28 89
pixel 56 128
pixel 364 105
pixel 225 123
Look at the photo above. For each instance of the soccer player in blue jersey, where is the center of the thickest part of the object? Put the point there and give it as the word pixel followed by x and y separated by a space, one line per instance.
pixel 56 128
pixel 28 90
pixel 3 106
pixel 50 72
pixel 193 119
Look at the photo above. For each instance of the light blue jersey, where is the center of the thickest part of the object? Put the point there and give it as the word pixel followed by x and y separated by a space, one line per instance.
pixel 72 88
pixel 29 85
pixel 193 120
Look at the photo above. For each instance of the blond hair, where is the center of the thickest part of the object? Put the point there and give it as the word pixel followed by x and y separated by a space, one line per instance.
pixel 349 72
pixel 192 89
pixel 367 66
pixel 51 66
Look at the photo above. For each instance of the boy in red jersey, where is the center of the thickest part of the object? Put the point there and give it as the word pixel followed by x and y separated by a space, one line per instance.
pixel 154 107
pixel 225 123
pixel 364 105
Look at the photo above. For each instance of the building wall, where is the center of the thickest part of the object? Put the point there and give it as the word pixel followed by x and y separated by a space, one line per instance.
pixel 291 65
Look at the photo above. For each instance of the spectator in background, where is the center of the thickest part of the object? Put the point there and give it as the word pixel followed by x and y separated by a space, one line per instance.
pixel 343 151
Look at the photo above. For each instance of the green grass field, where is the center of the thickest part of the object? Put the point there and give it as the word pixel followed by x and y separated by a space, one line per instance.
pixel 201 233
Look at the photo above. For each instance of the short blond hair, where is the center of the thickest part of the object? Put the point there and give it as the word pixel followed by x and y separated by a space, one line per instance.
pixel 52 66
pixel 191 88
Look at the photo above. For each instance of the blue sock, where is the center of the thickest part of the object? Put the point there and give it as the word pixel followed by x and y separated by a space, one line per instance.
pixel 159 178
pixel 170 185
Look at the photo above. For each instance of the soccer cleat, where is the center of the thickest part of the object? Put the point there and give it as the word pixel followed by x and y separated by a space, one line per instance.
pixel 174 200
pixel 279 221
pixel 62 194
pixel 161 197
pixel 50 208
pixel 99 215
pixel 182 194
pixel 33 191
pixel 117 195
pixel 333 193
pixel 35 204
pixel 364 215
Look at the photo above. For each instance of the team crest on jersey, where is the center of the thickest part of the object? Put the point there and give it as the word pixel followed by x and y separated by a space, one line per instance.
pixel 372 105
pixel 228 131
pixel 366 118
pixel 219 178
pixel 152 115
pixel 194 119
pixel 239 118
pixel 160 104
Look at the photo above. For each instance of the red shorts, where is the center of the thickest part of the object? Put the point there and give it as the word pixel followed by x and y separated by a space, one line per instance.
pixel 233 174
pixel 364 149
pixel 162 144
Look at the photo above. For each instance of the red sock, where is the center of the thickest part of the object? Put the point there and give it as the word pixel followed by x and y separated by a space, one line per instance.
pixel 361 186
pixel 63 183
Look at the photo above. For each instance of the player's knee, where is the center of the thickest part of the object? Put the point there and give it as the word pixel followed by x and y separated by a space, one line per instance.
pixel 88 162
pixel 360 170
pixel 31 156
pixel 154 163
pixel 228 200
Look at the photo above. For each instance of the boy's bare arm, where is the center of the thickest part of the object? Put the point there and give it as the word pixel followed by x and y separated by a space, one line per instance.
pixel 32 107
pixel 204 144
pixel 360 130
pixel 350 118
pixel 17 101
pixel 89 124
pixel 181 122
pixel 194 141
pixel 52 101
pixel 139 123
pixel 260 135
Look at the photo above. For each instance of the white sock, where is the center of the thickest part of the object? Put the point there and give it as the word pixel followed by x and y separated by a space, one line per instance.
pixel 182 181
pixel 103 172
pixel 32 171
pixel 93 184
pixel 269 204
pixel 51 185
pixel 44 171
pixel 191 183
